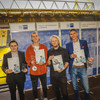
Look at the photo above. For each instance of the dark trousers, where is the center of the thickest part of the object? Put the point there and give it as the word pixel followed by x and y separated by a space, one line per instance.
pixel 12 87
pixel 59 85
pixel 34 79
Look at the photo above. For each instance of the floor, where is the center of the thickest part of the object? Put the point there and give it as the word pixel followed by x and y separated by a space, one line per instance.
pixel 94 91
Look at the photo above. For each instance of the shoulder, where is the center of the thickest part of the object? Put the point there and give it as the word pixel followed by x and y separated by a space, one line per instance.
pixel 50 50
pixel 7 54
pixel 69 43
pixel 43 45
pixel 29 47
pixel 63 49
pixel 21 52
pixel 83 41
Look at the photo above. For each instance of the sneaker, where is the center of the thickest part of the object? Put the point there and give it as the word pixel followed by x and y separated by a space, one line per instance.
pixel 45 98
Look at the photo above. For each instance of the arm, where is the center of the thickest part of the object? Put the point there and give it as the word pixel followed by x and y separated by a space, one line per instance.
pixel 5 65
pixel 71 54
pixel 24 64
pixel 28 57
pixel 49 58
pixel 90 59
pixel 65 66
pixel 66 59
pixel 86 49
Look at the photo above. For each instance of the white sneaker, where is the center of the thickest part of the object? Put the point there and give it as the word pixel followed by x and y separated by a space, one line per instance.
pixel 45 98
pixel 36 99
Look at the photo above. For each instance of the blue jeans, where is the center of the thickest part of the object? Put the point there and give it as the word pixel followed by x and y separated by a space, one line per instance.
pixel 82 74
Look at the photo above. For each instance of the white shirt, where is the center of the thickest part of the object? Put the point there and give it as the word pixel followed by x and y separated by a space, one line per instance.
pixel 36 48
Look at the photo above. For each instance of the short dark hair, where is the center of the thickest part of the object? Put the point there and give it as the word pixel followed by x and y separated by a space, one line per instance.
pixel 13 41
pixel 73 30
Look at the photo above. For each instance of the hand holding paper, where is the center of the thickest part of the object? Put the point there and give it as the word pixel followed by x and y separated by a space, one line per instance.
pixel 50 57
pixel 41 63
pixel 33 60
pixel 58 63
pixel 25 70
pixel 73 56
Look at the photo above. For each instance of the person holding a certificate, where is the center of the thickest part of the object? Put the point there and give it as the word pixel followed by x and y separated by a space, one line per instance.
pixel 14 65
pixel 58 60
pixel 79 54
pixel 36 58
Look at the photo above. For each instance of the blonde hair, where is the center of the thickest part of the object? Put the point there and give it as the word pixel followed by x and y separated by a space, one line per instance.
pixel 55 36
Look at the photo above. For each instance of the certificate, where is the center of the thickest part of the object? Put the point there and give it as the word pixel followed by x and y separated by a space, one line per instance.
pixel 80 56
pixel 13 64
pixel 40 56
pixel 58 62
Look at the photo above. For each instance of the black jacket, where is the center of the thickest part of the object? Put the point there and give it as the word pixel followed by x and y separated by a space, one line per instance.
pixel 21 75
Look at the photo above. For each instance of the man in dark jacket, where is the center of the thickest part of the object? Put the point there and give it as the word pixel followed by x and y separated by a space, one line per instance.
pixel 15 67
pixel 58 60
pixel 79 56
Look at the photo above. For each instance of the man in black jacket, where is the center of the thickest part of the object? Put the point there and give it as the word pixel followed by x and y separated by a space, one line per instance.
pixel 58 60
pixel 15 67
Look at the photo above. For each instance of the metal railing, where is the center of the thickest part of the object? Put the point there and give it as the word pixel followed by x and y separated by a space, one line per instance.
pixel 47 4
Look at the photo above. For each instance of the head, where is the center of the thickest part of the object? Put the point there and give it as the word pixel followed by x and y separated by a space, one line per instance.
pixel 13 46
pixel 55 41
pixel 35 37
pixel 73 34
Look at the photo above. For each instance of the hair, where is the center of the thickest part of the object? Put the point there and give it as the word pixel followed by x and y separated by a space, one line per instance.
pixel 13 41
pixel 34 33
pixel 73 30
pixel 55 36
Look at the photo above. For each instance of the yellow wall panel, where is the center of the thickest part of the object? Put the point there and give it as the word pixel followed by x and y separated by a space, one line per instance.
pixel 2 74
pixel 3 37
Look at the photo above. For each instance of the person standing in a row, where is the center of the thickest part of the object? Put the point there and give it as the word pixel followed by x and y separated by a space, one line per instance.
pixel 58 60
pixel 15 67
pixel 36 57
pixel 79 56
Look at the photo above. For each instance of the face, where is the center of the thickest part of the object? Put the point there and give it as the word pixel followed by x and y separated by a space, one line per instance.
pixel 35 38
pixel 13 47
pixel 54 42
pixel 73 35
